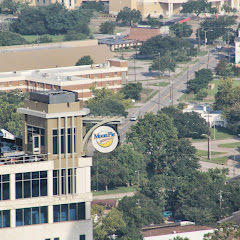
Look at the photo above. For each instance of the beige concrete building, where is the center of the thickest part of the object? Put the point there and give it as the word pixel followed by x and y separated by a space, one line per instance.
pixel 146 7
pixel 46 193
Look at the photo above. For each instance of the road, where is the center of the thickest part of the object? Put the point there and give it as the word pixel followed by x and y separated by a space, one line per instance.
pixel 162 99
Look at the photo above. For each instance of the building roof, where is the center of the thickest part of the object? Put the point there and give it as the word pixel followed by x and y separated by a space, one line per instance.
pixel 234 218
pixel 176 229
pixel 49 56
pixel 142 34
pixel 115 40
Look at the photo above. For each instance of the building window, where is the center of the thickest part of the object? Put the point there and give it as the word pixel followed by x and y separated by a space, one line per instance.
pixel 4 218
pixel 31 216
pixel 64 183
pixel 82 237
pixel 115 74
pixel 20 82
pixel 31 131
pixel 107 83
pixel 56 238
pixel 107 75
pixel 10 84
pixel 4 187
pixel 69 140
pixel 31 184
pixel 68 212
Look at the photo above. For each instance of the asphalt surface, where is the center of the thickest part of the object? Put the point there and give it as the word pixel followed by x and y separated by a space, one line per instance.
pixel 178 85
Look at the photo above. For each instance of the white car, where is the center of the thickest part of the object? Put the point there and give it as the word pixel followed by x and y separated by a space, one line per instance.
pixel 134 118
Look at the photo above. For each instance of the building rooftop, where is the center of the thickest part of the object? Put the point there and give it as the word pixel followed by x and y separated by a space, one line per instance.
pixel 54 96
pixel 115 40
pixel 143 34
pixel 173 229
pixel 50 56
pixel 234 218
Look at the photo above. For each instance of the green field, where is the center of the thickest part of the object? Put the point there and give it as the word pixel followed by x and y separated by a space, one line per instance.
pixel 55 38
pixel 117 190
pixel 220 133
pixel 230 145
pixel 191 97
pixel 160 84
pixel 204 153
pixel 219 160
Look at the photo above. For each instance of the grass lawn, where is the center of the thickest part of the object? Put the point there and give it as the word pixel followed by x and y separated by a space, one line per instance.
pixel 161 84
pixel 117 190
pixel 202 53
pixel 204 153
pixel 146 91
pixel 150 96
pixel 220 133
pixel 184 70
pixel 191 97
pixel 230 145
pixel 55 38
pixel 219 160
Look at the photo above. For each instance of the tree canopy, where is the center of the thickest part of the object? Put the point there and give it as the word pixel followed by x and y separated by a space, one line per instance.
pixel 85 60
pixel 10 38
pixel 197 7
pixel 202 78
pixel 177 48
pixel 51 19
pixel 128 16
pixel 132 90
pixel 181 30
pixel 93 5
pixel 107 27
pixel 188 124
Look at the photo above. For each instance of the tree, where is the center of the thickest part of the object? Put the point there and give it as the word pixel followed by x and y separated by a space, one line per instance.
pixel 153 22
pixel 9 118
pixel 93 5
pixel 125 162
pixel 128 16
pixel 221 67
pixel 85 60
pixel 188 124
pixel 216 27
pixel 197 7
pixel 227 96
pixel 103 94
pixel 180 238
pixel 73 36
pixel 139 211
pixel 11 6
pixel 166 62
pixel 201 94
pixel 132 90
pixel 106 226
pixel 233 119
pixel 181 29
pixel 107 27
pixel 175 47
pixel 202 78
pixel 10 38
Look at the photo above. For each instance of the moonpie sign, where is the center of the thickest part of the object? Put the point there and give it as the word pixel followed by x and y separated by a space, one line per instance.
pixel 104 139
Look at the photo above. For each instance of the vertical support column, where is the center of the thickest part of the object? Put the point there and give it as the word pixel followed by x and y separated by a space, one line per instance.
pixel 12 218
pixel 170 9
pixel 66 155
pixel 88 210
pixel 59 158
pixel 73 159
pixel 50 214
pixel 12 187
pixel 237 5
pixel 50 183
pixel 232 3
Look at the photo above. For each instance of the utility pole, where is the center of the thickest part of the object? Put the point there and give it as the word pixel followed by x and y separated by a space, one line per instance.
pixel 172 93
pixel 228 48
pixel 208 138
pixel 159 65
pixel 134 66
pixel 220 198
pixel 208 59
pixel 159 98
pixel 198 39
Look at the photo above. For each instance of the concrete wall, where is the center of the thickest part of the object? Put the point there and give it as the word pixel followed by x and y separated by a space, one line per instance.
pixel 64 230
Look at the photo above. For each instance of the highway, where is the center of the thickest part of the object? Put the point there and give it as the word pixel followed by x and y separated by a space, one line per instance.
pixel 178 85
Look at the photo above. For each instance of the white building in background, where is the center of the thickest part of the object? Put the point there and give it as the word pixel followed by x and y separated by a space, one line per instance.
pixel 213 117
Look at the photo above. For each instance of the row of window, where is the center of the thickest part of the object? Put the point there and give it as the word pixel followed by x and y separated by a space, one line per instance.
pixel 39 215
pixel 35 184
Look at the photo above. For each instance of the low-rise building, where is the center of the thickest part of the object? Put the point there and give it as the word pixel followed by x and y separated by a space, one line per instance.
pixel 213 117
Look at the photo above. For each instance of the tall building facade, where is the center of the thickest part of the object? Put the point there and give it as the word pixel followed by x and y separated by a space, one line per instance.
pixel 46 194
